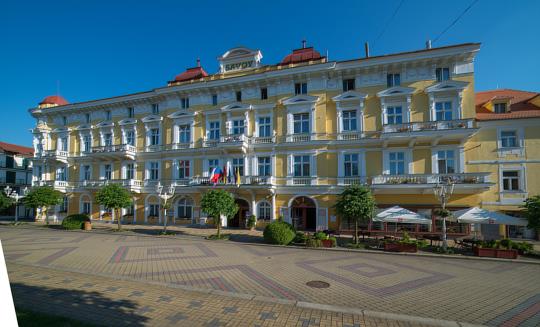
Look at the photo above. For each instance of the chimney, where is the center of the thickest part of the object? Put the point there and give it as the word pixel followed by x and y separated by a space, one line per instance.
pixel 303 43
pixel 198 62
pixel 366 47
pixel 428 44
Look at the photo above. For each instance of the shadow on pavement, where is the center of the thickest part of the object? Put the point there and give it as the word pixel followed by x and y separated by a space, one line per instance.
pixel 88 307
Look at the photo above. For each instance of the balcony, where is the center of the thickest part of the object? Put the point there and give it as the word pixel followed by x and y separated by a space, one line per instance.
pixel 429 126
pixel 298 181
pixel 244 180
pixel 107 151
pixel 181 146
pixel 465 183
pixel 132 185
pixel 263 140
pixel 296 138
pixel 153 148
pixel 61 186
pixel 352 180
pixel 57 155
pixel 234 140
pixel 350 136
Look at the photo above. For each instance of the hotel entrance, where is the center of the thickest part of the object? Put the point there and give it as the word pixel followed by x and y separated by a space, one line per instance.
pixel 239 220
pixel 304 214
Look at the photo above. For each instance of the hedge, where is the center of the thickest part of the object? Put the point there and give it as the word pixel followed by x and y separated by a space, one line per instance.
pixel 279 232
pixel 74 221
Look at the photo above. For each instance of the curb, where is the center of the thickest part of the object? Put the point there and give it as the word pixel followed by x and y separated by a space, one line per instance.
pixel 201 238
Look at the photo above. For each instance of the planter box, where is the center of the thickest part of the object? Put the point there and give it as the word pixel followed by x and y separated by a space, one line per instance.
pixel 327 243
pixel 496 253
pixel 87 225
pixel 398 247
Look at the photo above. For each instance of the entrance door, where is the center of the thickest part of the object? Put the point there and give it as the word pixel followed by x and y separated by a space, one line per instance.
pixel 239 220
pixel 304 214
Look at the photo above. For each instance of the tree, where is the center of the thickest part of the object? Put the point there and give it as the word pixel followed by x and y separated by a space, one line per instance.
pixel 43 197
pixel 532 212
pixel 217 203
pixel 114 196
pixel 355 203
pixel 5 201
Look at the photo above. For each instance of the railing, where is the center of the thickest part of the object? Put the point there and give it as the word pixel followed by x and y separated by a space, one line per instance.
pixel 465 178
pixel 263 140
pixel 293 180
pixel 52 154
pixel 180 146
pixel 114 148
pixel 103 182
pixel 210 143
pixel 244 180
pixel 429 126
pixel 233 138
pixel 55 184
pixel 350 136
pixel 352 180
pixel 299 137
pixel 153 148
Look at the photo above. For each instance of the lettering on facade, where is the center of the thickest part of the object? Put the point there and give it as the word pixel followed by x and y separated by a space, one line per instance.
pixel 239 65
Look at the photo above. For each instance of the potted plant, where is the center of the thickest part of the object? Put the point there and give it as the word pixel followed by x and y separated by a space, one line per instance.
pixel 251 222
pixel 496 249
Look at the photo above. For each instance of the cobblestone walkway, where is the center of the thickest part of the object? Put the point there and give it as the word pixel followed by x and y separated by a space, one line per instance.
pixel 158 276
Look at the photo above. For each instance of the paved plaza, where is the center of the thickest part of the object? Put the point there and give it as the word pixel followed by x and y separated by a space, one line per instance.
pixel 117 279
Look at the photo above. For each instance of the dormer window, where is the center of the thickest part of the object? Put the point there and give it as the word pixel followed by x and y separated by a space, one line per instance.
pixel 130 112
pixel 64 120
pixel 239 96
pixel 87 118
pixel 155 109
pixel 264 93
pixel 300 88
pixel 108 115
pixel 214 99
pixel 348 85
pixel 393 80
pixel 442 74
pixel 184 103
pixel 499 108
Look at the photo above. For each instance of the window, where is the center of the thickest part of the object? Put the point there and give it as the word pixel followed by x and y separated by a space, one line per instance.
pixel 185 208
pixel 238 166
pixel 393 80
pixel 64 120
pixel 443 110
pixel 130 138
pixel 265 127
pixel 155 109
pixel 64 144
pixel 107 139
pixel 214 99
pixel 107 169
pixel 499 108
pixel 86 208
pixel 509 139
pixel 394 115
pixel 446 162
pixel 130 112
pixel 238 96
pixel 184 134
pixel 184 103
pixel 301 123
pixel 264 93
pixel 349 120
pixel 183 169
pixel 39 173
pixel 212 163
pixel 153 171
pixel 153 210
pixel 351 164
pixel 154 136
pixel 301 166
pixel 397 163
pixel 87 173
pixel 108 115
pixel 64 205
pixel 264 166
pixel 130 171
pixel 238 127
pixel 87 143
pixel 213 130
pixel 87 118
pixel 442 74
pixel 264 211
pixel 511 180
pixel 61 174
pixel 300 88
pixel 348 85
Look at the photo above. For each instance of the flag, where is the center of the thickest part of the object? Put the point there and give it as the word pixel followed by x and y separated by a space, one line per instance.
pixel 215 175
pixel 224 179
pixel 230 173
pixel 237 177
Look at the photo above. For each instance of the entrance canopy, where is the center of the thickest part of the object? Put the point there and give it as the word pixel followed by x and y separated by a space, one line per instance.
pixel 481 216
pixel 401 215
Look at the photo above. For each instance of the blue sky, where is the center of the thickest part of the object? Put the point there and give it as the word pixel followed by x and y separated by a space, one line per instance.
pixel 99 49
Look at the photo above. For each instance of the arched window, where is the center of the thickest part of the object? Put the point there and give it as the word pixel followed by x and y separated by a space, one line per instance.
pixel 264 211
pixel 184 208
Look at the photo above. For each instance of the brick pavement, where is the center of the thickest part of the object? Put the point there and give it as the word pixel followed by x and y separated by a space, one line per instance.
pixel 480 292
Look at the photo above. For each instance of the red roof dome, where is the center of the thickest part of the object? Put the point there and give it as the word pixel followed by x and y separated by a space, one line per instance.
pixel 54 99
pixel 191 73
pixel 301 55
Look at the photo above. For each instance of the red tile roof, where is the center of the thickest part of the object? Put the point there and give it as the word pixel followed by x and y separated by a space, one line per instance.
pixel 13 148
pixel 54 99
pixel 191 73
pixel 301 55
pixel 520 104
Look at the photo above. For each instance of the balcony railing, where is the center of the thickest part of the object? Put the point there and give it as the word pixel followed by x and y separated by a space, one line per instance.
pixel 153 148
pixel 300 137
pixel 263 140
pixel 210 143
pixel 181 146
pixel 429 126
pixel 53 154
pixel 244 180
pixel 465 178
pixel 103 182
pixel 114 148
pixel 299 180
pixel 350 136
pixel 352 180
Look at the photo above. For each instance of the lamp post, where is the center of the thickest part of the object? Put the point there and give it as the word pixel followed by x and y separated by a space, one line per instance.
pixel 165 195
pixel 443 193
pixel 16 196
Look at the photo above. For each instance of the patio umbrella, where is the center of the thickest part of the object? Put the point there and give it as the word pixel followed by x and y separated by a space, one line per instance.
pixel 477 215
pixel 397 214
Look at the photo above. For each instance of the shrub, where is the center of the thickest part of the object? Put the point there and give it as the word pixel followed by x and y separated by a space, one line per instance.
pixel 300 237
pixel 74 221
pixel 320 236
pixel 252 221
pixel 279 232
pixel 313 243
pixel 334 241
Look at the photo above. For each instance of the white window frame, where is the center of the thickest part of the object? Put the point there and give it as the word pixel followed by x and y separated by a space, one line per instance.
pixel 394 115
pixel 408 163
pixel 268 207
pixel 149 170
pixel 213 130
pixel 519 150
pixel 258 125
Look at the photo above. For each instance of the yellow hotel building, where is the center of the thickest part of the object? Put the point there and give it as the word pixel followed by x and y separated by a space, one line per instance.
pixel 297 132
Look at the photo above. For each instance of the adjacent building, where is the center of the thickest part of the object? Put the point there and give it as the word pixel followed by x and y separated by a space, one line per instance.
pixel 286 138
pixel 16 174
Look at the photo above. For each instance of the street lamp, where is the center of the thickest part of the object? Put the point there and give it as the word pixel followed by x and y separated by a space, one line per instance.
pixel 165 196
pixel 443 193
pixel 16 196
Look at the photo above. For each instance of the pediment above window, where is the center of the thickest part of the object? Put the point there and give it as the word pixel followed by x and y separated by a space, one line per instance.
pixel 127 121
pixel 447 86
pixel 83 127
pixel 182 114
pixel 236 106
pixel 350 96
pixel 105 124
pixel 396 91
pixel 300 99
pixel 61 130
pixel 152 119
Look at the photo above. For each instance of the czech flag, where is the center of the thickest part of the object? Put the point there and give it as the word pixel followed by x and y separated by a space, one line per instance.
pixel 215 175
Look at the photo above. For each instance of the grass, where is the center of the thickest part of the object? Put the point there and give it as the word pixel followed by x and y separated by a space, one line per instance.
pixel 27 318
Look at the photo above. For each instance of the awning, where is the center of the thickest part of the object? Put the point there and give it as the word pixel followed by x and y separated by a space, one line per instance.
pixel 481 216
pixel 401 215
